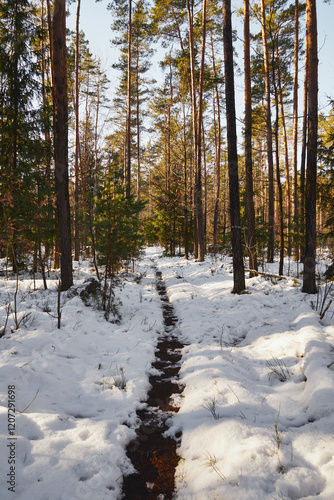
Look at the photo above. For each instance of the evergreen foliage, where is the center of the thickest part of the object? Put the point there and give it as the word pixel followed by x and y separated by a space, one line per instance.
pixel 118 234
pixel 137 176
pixel 23 187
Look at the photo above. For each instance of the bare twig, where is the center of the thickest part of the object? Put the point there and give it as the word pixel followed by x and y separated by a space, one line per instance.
pixel 327 307
pixel 30 402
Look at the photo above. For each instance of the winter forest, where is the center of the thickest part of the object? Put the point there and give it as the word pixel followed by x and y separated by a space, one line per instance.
pixel 164 165
pixel 129 211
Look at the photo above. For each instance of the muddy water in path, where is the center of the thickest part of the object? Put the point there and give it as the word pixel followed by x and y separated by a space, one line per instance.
pixel 153 456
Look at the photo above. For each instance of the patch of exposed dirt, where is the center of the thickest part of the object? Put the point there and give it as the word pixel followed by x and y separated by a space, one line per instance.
pixel 154 456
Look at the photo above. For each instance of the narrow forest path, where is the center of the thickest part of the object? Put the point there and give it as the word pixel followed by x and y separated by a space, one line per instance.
pixel 153 455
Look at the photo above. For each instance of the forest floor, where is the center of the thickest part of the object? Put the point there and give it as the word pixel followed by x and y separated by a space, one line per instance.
pixel 256 413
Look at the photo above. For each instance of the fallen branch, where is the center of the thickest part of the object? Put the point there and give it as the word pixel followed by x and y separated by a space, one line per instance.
pixel 267 275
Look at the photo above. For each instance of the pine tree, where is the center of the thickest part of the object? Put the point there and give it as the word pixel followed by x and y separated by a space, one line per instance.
pixel 60 103
pixel 238 264
pixel 134 40
pixel 21 148
pixel 248 144
pixel 309 284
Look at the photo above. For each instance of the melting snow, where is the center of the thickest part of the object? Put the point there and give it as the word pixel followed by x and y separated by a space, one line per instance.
pixel 257 412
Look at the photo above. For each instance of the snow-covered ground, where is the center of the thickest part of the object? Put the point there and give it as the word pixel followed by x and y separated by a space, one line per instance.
pixel 257 412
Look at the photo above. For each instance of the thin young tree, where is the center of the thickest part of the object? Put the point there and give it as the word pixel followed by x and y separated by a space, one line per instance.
pixel 278 179
pixel 77 140
pixel 60 122
pixel 238 264
pixel 197 114
pixel 271 214
pixel 128 111
pixel 200 147
pixel 295 135
pixel 303 158
pixel 248 144
pixel 218 142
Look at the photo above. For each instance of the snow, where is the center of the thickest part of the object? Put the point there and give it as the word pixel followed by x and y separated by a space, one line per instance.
pixel 256 414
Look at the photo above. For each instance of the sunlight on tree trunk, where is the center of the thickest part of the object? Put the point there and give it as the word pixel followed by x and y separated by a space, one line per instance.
pixel 309 284
pixel 271 210
pixel 238 263
pixel 252 251
pixel 61 141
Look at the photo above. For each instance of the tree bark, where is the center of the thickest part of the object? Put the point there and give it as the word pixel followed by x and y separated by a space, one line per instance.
pixel 198 172
pixel 128 116
pixel 248 145
pixel 271 214
pixel 138 123
pixel 77 141
pixel 278 179
pixel 205 173
pixel 232 155
pixel 295 136
pixel 303 158
pixel 309 283
pixel 185 173
pixel 218 141
pixel 61 140
pixel 199 244
pixel 194 108
pixel 286 158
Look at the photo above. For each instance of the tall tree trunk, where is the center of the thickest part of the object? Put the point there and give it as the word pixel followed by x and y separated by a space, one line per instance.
pixel 56 260
pixel 185 162
pixel 84 165
pixel 295 136
pixel 199 244
pixel 271 214
pixel 46 122
pixel 169 130
pixel 248 145
pixel 193 112
pixel 45 70
pixel 49 22
pixel 61 140
pixel 286 156
pixel 95 177
pixel 238 264
pixel 303 157
pixel 128 115
pixel 278 179
pixel 77 141
pixel 205 208
pixel 138 122
pixel 309 284
pixel 198 172
pixel 193 109
pixel 218 140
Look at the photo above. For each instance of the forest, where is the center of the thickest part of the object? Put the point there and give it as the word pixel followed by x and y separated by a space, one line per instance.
pixel 83 176
pixel 131 207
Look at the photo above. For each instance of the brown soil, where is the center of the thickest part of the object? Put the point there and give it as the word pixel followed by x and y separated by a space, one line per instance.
pixel 154 456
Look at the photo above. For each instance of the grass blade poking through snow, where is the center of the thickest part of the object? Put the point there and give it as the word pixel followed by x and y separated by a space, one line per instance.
pixel 211 461
pixel 211 405
pixel 278 369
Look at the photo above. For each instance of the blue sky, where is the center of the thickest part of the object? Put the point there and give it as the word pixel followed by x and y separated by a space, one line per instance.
pixel 95 21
